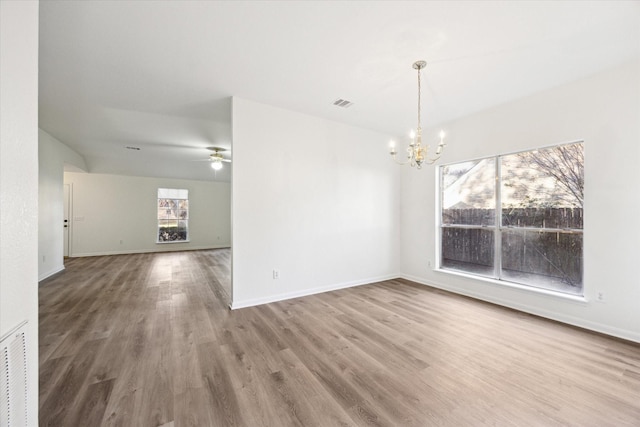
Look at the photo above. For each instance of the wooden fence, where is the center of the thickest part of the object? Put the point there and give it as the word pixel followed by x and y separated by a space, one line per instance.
pixel 564 218
pixel 557 254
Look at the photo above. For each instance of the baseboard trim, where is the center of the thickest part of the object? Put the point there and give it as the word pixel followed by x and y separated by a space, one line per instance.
pixel 173 248
pixel 53 272
pixel 235 305
pixel 624 334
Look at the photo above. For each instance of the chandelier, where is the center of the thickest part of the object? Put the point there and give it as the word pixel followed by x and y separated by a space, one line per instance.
pixel 417 153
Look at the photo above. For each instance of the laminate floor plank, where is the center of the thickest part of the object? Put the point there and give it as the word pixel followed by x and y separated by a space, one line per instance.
pixel 192 409
pixel 310 345
pixel 252 390
pixel 91 405
pixel 148 340
pixel 67 389
pixel 50 373
pixel 221 395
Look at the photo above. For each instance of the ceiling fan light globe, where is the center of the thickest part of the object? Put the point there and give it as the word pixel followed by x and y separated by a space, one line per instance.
pixel 216 165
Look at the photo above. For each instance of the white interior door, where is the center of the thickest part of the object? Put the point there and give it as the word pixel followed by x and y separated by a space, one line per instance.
pixel 67 198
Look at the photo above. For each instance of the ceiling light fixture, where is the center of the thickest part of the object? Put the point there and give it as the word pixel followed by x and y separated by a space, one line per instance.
pixel 216 158
pixel 216 164
pixel 416 152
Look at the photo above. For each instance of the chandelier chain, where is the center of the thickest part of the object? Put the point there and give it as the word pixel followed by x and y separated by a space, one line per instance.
pixel 419 99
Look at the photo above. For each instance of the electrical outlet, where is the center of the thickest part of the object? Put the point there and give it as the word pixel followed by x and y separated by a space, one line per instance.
pixel 276 274
pixel 600 296
pixel 44 258
pixel 121 241
pixel 429 263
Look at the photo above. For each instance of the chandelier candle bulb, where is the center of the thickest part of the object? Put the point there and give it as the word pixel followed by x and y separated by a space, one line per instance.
pixel 441 144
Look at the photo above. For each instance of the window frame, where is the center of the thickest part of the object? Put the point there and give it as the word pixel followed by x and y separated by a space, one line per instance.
pixel 497 229
pixel 178 197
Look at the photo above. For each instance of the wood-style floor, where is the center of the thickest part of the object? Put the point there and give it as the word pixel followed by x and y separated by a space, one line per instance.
pixel 148 340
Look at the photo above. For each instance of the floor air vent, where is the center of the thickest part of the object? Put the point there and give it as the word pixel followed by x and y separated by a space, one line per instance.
pixel 13 378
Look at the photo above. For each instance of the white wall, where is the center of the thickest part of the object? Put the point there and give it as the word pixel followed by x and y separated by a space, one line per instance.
pixel 315 199
pixel 604 111
pixel 107 209
pixel 52 156
pixel 19 180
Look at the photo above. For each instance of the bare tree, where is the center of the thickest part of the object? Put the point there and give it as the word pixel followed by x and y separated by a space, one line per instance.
pixel 565 164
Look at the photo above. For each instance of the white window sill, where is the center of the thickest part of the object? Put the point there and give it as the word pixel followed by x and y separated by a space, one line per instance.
pixel 575 298
pixel 168 242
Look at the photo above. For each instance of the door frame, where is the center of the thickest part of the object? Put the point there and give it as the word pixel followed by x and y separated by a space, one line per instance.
pixel 67 202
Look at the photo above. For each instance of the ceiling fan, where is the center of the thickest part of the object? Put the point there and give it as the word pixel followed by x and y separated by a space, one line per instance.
pixel 216 157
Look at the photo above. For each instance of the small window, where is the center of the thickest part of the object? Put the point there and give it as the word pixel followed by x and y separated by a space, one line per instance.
pixel 516 217
pixel 173 215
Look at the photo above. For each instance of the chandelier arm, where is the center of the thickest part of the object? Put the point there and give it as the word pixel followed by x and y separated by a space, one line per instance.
pixel 431 161
pixel 395 159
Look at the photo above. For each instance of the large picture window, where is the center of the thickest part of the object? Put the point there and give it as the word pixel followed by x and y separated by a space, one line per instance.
pixel 173 215
pixel 516 217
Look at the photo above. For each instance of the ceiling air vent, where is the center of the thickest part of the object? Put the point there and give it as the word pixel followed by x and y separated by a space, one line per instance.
pixel 342 103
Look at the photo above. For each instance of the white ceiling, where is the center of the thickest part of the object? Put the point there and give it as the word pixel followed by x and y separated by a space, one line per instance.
pixel 158 74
